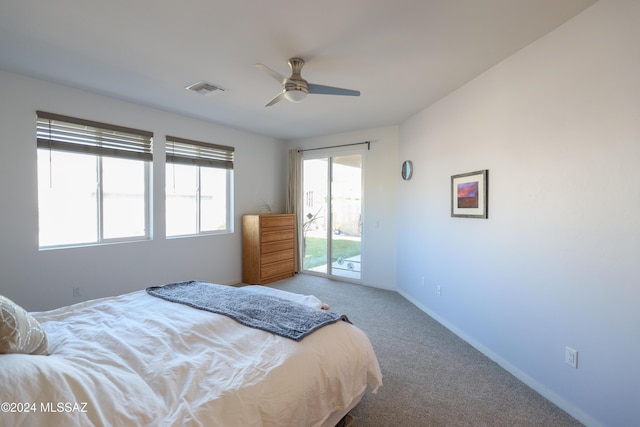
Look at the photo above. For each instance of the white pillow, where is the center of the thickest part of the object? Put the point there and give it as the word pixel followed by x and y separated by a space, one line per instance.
pixel 19 331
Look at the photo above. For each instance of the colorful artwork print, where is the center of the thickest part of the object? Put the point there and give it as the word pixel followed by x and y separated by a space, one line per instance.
pixel 468 195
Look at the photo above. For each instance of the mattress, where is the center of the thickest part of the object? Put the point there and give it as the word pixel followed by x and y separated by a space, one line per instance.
pixel 137 360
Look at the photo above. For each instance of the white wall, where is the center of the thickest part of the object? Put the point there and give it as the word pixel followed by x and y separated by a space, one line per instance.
pixel 557 262
pixel 42 280
pixel 381 169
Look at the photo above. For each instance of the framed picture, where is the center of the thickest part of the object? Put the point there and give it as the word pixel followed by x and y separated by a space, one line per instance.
pixel 469 194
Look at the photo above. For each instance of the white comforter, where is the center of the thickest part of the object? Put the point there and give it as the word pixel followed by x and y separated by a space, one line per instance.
pixel 137 360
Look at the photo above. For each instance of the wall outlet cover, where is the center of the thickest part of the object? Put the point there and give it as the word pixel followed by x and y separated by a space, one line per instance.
pixel 571 357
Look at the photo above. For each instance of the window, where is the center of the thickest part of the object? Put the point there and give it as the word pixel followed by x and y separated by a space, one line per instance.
pixel 198 187
pixel 93 182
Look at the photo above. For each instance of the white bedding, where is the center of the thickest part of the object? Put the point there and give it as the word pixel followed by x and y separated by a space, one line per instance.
pixel 137 360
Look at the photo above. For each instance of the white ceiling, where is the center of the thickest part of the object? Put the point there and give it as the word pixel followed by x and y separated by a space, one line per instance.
pixel 402 55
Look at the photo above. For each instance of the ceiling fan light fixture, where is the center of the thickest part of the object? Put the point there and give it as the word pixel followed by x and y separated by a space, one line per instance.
pixel 295 95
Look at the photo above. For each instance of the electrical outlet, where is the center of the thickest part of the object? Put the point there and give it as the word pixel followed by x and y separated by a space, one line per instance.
pixel 76 292
pixel 439 290
pixel 571 357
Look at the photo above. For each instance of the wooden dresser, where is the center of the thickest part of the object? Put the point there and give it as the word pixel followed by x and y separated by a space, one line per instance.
pixel 268 243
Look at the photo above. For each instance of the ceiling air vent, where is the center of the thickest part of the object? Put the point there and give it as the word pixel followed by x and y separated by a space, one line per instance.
pixel 204 88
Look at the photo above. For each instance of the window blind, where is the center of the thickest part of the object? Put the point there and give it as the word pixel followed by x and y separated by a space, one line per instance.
pixel 186 151
pixel 58 132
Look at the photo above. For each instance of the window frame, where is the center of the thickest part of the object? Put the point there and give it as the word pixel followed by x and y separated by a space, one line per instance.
pixel 98 140
pixel 148 235
pixel 201 155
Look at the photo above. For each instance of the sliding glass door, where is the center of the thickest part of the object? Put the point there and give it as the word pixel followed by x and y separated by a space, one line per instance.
pixel 332 223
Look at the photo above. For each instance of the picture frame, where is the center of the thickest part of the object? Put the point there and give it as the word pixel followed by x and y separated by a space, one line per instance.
pixel 469 195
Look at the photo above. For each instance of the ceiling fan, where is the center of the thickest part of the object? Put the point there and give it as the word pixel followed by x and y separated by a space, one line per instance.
pixel 295 88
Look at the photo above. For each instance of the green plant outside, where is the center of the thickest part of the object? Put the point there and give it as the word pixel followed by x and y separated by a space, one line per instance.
pixel 316 250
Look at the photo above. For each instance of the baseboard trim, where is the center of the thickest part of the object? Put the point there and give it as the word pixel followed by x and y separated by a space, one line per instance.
pixel 549 394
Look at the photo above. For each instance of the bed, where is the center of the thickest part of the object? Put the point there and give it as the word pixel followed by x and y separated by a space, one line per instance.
pixel 140 360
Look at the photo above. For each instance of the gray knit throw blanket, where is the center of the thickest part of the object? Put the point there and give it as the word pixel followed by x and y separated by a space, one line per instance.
pixel 266 312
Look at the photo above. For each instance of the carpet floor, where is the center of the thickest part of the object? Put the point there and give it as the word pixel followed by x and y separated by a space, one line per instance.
pixel 431 377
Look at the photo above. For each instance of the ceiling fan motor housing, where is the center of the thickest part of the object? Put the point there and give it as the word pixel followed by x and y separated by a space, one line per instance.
pixel 296 88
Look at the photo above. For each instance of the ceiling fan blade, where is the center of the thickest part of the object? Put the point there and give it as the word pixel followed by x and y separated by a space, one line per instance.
pixel 330 90
pixel 279 97
pixel 276 75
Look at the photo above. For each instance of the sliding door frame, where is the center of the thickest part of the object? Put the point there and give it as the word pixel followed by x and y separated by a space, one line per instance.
pixel 329 154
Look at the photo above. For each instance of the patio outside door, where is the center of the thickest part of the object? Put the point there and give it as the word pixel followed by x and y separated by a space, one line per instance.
pixel 332 223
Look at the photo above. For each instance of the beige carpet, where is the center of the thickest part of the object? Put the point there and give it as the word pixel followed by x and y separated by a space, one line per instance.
pixel 431 377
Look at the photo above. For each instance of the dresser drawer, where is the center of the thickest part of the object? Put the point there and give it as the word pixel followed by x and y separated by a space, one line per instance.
pixel 273 236
pixel 276 268
pixel 277 256
pixel 276 221
pixel 281 245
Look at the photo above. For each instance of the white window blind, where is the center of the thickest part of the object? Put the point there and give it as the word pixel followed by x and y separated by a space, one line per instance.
pixel 63 133
pixel 189 152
